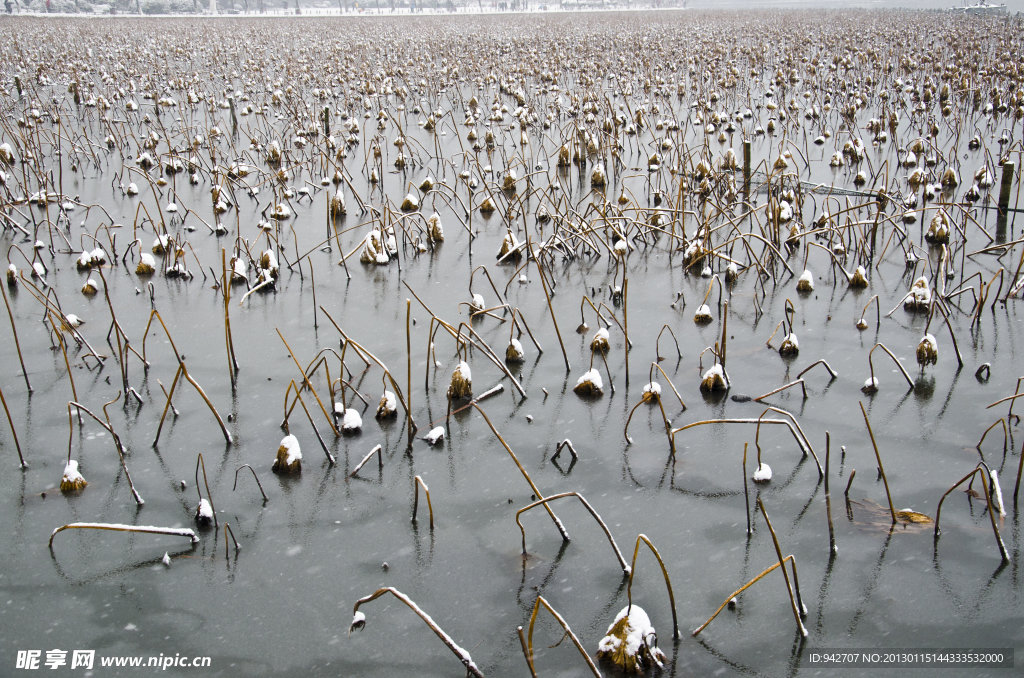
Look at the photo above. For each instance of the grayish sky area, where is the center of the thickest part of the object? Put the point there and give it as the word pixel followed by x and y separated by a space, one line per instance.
pixel 1011 5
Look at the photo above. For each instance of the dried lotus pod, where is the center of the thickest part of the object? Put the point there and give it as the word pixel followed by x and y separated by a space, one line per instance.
pixel 147 264
pixel 434 231
pixel 927 351
pixel 790 346
pixel 427 184
pixel 514 352
pixel 806 281
pixel 411 203
pixel 938 228
pixel 631 644
pixel 920 296
pixel 388 406
pixel 462 382
pixel 486 207
pixel 600 341
pixel 859 278
pixel 72 480
pixel 949 178
pixel 338 207
pixel 713 380
pixel 204 512
pixel 89 287
pixel 597 176
pixel 289 456
pixel 510 247
pixel 651 393
pixel 703 315
pixel 589 384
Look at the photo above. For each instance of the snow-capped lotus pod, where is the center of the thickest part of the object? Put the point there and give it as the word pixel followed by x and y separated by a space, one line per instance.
pixel 435 435
pixel 434 231
pixel 703 315
pixel 920 296
pixel 949 178
pixel 38 270
pixel 84 262
pixel 147 264
pixel 145 160
pixel 289 456
pixel 268 262
pixel 589 384
pixel 975 143
pixel 916 178
pixel 486 207
pixel 983 178
pixel 563 156
pixel 338 207
pixel 7 153
pixel 462 382
pixel 938 228
pixel 411 202
pixel 274 152
pixel 161 244
pixel 132 189
pixel 732 271
pixel 781 162
pixel 72 481
pixel 542 214
pixel 12 275
pixel 870 385
pixel 351 421
pixel 71 321
pixel 713 380
pixel 859 278
pixel 597 176
pixel 510 247
pixel 204 512
pixel 514 353
pixel 806 281
pixel 790 345
pixel 388 406
pixel 427 184
pixel 89 287
pixel 171 208
pixel 373 248
pixel 861 178
pixel 631 643
pixel 910 160
pixel 281 212
pixel 693 254
pixel 763 473
pixel 651 393
pixel 98 256
pixel 837 160
pixel 509 182
pixel 927 351
pixel 973 193
pixel 600 341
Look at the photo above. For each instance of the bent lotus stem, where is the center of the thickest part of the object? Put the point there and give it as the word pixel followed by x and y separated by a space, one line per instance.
pixel 797 611
pixel 380 461
pixel 199 461
pixel 227 531
pixel 673 386
pixel 547 295
pixel 743 588
pixel 323 445
pixel 258 483
pixel 611 540
pixel 416 484
pixel 528 646
pixel 983 470
pixel 79 408
pixel 903 371
pixel 14 433
pixel 878 310
pixel 308 384
pixel 828 367
pixel 881 469
pixel 172 531
pixel 657 350
pixel 537 492
pixel 17 344
pixel 783 388
pixel 1001 420
pixel 664 572
pixel 565 444
pixel 849 482
pixel 359 621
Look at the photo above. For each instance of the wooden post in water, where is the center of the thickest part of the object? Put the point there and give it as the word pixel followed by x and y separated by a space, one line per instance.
pixel 746 168
pixel 1004 189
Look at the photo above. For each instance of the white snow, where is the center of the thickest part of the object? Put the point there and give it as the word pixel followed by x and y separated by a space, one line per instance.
pixel 98 255
pixel 593 377
pixel 351 421
pixel 653 387
pixel 997 493
pixel 176 531
pixel 929 339
pixel 871 383
pixel 166 560
pixel 205 510
pixel 516 347
pixel 714 369
pixel 71 473
pixel 703 312
pixel 291 443
pixel 639 632
pixel 791 338
pixel 148 259
pixel 601 334
pixel 85 260
pixel 391 402
pixel 806 279
pixel 436 434
pixel 463 369
pixel 478 303
pixel 763 473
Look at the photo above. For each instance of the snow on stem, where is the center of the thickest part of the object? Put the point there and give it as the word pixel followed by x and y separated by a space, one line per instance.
pixel 416 484
pixel 172 531
pixel 664 572
pixel 359 621
pixel 985 474
pixel 743 588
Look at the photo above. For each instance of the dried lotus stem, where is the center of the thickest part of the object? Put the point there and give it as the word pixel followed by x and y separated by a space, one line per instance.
pixel 256 477
pixel 14 433
pixel 828 499
pixel 380 460
pixel 17 344
pixel 308 384
pixel 879 458
pixel 172 531
pixel 528 648
pixel 783 388
pixel 984 472
pixel 1001 420
pixel 199 461
pixel 828 367
pixel 563 445
pixel 849 482
pixel 544 284
pixel 657 350
pixel 743 588
pixel 359 621
pixel 323 445
pixel 416 484
pixel 903 371
pixel 798 612
pixel 611 540
pixel 664 572
pixel 227 531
